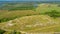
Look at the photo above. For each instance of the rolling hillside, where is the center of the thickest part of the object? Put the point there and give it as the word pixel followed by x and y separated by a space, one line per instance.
pixel 42 23
pixel 42 8
pixel 10 15
pixel 43 18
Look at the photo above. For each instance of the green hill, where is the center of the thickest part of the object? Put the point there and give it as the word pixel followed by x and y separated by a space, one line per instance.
pixel 44 18
pixel 48 8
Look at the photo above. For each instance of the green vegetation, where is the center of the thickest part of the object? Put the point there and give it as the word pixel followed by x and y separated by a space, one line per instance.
pixel 2 31
pixel 42 8
pixel 22 8
pixel 23 18
pixel 19 6
pixel 54 13
pixel 15 32
pixel 10 15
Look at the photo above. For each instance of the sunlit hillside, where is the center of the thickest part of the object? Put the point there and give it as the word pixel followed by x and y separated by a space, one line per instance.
pixel 47 7
pixel 42 23
pixel 27 18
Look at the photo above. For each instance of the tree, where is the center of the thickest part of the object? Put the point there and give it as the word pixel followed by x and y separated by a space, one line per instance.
pixel 59 5
pixel 53 13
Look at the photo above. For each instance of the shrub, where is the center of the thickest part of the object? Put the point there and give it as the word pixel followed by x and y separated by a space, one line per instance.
pixel 2 31
pixel 53 13
pixel 15 32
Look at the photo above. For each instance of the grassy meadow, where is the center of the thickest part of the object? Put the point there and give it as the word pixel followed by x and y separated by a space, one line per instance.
pixel 20 19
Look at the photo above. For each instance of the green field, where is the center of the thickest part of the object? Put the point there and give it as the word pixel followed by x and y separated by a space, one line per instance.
pixel 44 18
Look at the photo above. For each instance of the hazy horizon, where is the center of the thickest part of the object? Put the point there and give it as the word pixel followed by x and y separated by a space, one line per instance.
pixel 29 0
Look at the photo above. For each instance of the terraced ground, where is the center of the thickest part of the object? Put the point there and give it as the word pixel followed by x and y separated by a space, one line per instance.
pixel 29 21
pixel 42 23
